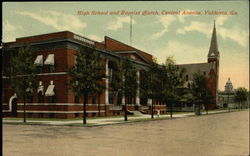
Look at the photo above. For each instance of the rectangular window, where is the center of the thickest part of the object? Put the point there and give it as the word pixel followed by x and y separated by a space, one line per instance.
pixel 51 115
pixel 75 60
pixel 39 69
pixel 93 99
pixel 40 115
pixel 51 68
pixel 29 99
pixel 30 115
pixel 76 99
pixel 52 99
pixel 40 97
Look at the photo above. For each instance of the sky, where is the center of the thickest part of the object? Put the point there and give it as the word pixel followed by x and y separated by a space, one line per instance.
pixel 179 29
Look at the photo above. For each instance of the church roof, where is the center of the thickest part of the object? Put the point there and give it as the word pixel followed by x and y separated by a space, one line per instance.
pixel 213 50
pixel 194 68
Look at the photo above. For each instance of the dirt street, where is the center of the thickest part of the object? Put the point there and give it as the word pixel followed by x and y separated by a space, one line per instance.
pixel 225 134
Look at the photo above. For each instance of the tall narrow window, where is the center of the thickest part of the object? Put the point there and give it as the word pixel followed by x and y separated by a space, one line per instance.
pixel 39 63
pixel 40 92
pixel 93 99
pixel 50 62
pixel 76 100
pixel 40 97
pixel 186 77
pixel 111 97
pixel 50 92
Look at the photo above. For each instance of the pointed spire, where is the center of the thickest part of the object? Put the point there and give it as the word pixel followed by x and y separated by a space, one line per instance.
pixel 213 50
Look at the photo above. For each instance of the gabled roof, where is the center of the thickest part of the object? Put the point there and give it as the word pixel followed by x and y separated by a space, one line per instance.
pixel 132 52
pixel 193 68
pixel 115 46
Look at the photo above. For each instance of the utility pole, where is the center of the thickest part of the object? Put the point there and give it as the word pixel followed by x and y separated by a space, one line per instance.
pixel 131 30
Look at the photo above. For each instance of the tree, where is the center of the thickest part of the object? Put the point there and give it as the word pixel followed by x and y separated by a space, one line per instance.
pixel 130 82
pixel 23 75
pixel 99 89
pixel 145 85
pixel 86 75
pixel 117 82
pixel 201 93
pixel 155 84
pixel 171 80
pixel 241 95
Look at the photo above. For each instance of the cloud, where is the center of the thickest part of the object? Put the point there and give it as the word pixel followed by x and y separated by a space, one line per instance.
pixel 118 24
pixel 9 31
pixel 165 21
pixel 238 36
pixel 193 54
pixel 57 20
pixel 95 37
pixel 196 26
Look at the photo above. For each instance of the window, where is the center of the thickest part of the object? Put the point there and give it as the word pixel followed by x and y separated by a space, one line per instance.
pixel 186 77
pixel 111 97
pixel 50 62
pixel 110 73
pixel 93 99
pixel 119 100
pixel 39 63
pixel 39 69
pixel 76 99
pixel 51 68
pixel 77 115
pixel 40 115
pixel 75 60
pixel 30 99
pixel 30 115
pixel 51 115
pixel 52 99
pixel 40 97
pixel 133 57
pixel 50 92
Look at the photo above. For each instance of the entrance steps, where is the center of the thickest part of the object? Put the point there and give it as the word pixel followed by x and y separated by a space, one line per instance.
pixel 136 113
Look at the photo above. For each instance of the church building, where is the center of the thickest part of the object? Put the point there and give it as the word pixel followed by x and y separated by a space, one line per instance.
pixel 210 69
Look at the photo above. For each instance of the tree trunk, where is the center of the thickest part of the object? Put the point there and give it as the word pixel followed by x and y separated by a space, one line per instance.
pixel 24 109
pixel 171 109
pixel 152 109
pixel 207 109
pixel 166 107
pixel 99 107
pixel 125 111
pixel 85 97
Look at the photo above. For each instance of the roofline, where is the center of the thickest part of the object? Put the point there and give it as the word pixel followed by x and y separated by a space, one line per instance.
pixel 131 52
pixel 125 44
pixel 73 40
pixel 45 34
pixel 194 63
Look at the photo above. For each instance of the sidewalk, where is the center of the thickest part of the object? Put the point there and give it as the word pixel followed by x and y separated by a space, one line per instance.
pixel 109 120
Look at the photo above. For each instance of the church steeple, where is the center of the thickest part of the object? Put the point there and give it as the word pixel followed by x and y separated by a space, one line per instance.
pixel 213 50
